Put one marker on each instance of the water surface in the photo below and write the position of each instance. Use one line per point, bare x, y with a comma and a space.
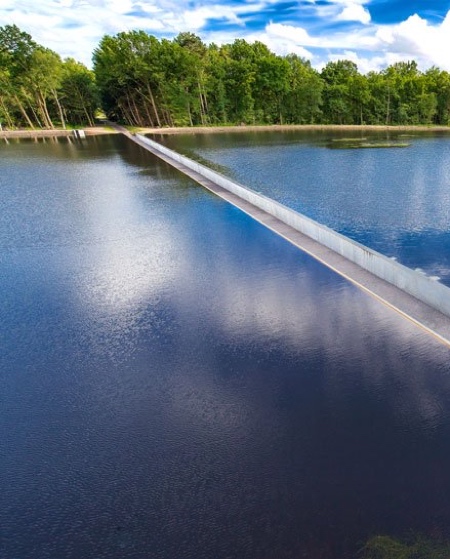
396, 201
177, 381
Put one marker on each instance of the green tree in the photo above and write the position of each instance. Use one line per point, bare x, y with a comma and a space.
381, 98
34, 83
193, 77
339, 100
16, 49
270, 85
78, 93
215, 73
403, 79
438, 82
302, 104
43, 80
239, 78
126, 77
144, 81
359, 96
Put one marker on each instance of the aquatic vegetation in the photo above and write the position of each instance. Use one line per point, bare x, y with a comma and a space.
385, 547
349, 139
352, 144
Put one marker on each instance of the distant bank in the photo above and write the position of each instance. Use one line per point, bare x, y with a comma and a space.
92, 131
287, 127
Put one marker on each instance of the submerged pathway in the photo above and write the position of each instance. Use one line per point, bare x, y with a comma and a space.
430, 319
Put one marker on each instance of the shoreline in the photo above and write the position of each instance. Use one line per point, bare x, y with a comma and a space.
292, 127
100, 130
55, 132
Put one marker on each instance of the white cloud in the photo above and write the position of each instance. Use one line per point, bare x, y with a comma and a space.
273, 36
416, 38
74, 28
296, 35
343, 10
194, 20
282, 46
355, 12
372, 47
349, 2
361, 39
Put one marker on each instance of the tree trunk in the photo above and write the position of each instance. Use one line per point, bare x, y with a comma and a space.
166, 109
167, 117
155, 109
9, 122
88, 116
133, 121
123, 111
137, 112
47, 115
58, 104
147, 112
189, 113
42, 105
24, 112
202, 102
36, 116
388, 106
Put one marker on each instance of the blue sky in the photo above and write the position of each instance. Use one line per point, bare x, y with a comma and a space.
372, 33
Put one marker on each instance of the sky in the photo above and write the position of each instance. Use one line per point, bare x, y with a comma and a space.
371, 33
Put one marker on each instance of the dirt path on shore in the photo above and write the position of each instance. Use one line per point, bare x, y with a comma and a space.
97, 130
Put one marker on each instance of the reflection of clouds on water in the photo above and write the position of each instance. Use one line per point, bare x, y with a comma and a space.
312, 312
130, 271
134, 257
156, 271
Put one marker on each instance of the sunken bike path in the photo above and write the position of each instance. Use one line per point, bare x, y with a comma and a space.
419, 313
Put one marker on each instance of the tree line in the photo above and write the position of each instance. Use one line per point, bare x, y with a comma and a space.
140, 80
38, 89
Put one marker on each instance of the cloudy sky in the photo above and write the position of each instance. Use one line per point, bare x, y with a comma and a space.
372, 33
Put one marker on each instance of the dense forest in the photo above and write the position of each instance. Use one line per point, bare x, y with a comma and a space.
140, 80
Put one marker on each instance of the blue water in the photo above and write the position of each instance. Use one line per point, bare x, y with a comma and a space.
178, 382
396, 201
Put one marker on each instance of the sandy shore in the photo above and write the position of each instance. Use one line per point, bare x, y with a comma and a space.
57, 132
97, 130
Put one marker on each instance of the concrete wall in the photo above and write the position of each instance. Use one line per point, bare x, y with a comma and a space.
416, 284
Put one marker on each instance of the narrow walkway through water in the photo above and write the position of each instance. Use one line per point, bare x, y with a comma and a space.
421, 314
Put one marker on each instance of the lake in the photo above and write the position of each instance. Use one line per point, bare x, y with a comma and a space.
178, 382
396, 201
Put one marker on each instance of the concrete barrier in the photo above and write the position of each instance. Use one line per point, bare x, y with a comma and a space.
414, 283
79, 134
